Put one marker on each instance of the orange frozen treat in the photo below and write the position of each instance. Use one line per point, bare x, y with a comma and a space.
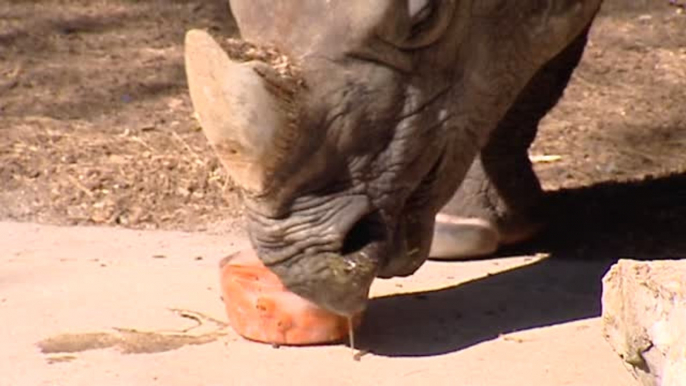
260, 308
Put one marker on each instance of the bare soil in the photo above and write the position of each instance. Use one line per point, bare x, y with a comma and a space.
96, 126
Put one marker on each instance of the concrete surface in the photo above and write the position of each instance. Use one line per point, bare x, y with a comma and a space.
644, 318
68, 291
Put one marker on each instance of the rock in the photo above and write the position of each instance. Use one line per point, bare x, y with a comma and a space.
644, 319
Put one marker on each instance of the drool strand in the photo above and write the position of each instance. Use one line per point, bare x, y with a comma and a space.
357, 355
351, 334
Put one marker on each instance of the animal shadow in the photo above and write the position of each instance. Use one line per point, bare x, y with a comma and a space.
589, 229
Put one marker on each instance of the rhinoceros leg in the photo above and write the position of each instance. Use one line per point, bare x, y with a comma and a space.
499, 200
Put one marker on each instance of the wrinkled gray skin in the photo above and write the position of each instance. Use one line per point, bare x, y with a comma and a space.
402, 104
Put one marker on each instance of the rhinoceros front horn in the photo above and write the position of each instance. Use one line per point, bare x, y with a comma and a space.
238, 114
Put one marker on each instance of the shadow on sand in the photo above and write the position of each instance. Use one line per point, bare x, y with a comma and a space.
590, 228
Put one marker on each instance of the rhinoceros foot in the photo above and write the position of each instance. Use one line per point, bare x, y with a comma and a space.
459, 238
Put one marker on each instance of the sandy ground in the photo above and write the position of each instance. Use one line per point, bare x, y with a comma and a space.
103, 306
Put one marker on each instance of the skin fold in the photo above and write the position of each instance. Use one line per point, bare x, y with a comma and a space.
401, 101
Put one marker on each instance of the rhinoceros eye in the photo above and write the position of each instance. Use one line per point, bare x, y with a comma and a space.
420, 10
418, 7
428, 20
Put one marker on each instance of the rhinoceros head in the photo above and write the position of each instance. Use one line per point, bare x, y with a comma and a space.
344, 163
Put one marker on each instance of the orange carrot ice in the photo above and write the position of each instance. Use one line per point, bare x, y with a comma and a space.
260, 308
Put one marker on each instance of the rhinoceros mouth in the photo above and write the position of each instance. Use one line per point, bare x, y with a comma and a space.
414, 228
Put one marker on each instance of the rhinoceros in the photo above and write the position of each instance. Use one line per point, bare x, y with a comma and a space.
405, 135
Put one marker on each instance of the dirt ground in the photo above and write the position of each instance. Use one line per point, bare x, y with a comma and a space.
96, 125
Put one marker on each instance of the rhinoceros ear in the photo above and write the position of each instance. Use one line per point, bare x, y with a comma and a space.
238, 115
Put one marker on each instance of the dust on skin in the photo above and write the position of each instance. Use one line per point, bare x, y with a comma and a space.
133, 341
